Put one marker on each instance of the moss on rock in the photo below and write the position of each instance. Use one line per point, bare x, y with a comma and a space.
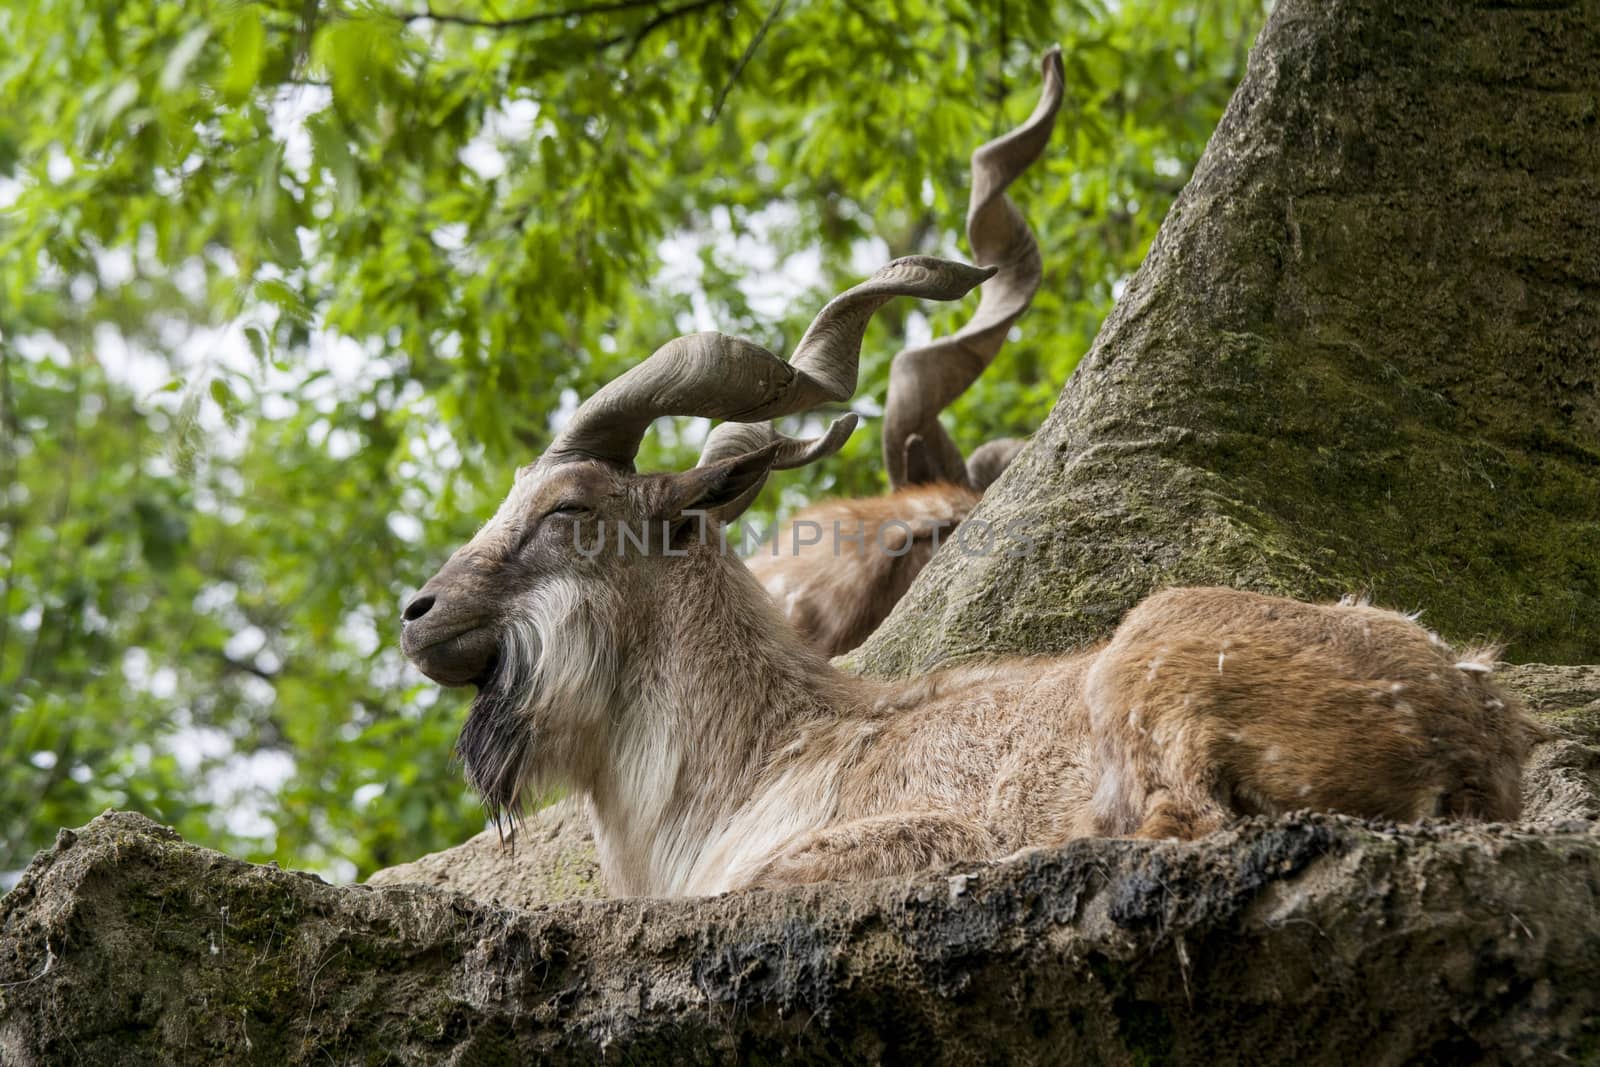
1295, 939
549, 857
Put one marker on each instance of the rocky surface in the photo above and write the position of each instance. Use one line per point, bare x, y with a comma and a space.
1298, 940
550, 857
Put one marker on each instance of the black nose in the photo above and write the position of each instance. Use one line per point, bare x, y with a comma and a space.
418, 607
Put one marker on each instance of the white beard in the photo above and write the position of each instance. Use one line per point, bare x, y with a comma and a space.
548, 699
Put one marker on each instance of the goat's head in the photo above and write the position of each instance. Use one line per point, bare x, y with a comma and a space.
535, 610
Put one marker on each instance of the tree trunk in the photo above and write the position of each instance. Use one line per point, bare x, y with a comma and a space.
1361, 355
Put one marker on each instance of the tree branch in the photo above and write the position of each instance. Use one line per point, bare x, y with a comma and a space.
634, 38
521, 21
242, 666
654, 24
750, 50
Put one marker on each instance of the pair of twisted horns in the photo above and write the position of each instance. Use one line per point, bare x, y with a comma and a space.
722, 377
923, 381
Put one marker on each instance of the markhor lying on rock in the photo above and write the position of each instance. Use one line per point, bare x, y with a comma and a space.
621, 651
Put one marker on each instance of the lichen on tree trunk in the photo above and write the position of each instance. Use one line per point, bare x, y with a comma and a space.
1362, 354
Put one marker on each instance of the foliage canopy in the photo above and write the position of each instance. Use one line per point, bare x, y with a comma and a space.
287, 289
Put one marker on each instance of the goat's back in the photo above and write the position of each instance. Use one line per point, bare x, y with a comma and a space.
837, 590
1209, 702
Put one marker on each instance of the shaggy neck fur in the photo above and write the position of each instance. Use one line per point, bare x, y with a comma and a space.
707, 695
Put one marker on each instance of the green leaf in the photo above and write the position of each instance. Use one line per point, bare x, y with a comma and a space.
223, 395
247, 52
360, 56
256, 337
284, 298
121, 95
175, 74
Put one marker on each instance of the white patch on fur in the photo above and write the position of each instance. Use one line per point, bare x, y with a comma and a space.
555, 650
1472, 666
799, 800
1094, 687
1110, 806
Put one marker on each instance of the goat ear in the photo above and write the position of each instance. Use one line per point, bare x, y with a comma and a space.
717, 488
919, 461
990, 460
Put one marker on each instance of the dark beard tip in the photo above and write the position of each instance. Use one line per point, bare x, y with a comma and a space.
506, 824
492, 747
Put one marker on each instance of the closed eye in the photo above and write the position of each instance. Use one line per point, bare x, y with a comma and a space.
571, 507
